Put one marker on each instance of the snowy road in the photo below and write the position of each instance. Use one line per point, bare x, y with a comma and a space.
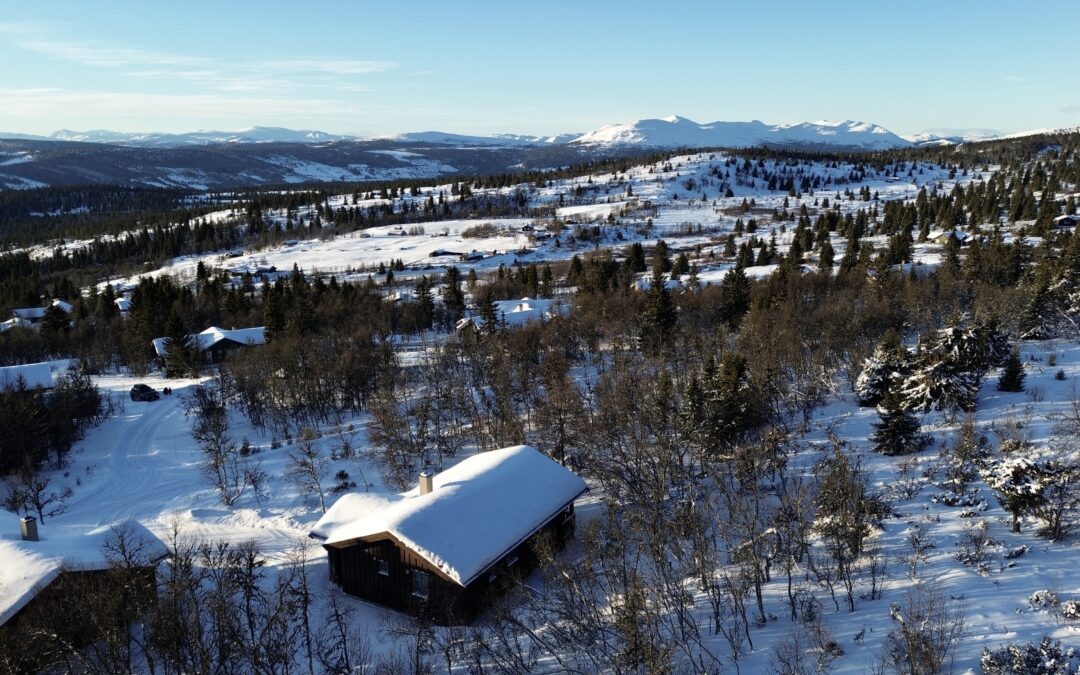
144, 464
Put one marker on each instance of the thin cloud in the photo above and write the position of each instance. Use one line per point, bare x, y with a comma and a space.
244, 76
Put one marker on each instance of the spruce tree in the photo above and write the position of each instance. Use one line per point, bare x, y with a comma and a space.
897, 431
489, 313
453, 296
660, 313
179, 348
1012, 375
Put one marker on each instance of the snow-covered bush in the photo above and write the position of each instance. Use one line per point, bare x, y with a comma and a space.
1046, 658
1043, 601
1070, 609
1046, 488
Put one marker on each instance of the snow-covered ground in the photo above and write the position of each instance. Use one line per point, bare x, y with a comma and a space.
681, 200
142, 464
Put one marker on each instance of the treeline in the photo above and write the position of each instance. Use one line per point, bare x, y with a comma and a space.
48, 213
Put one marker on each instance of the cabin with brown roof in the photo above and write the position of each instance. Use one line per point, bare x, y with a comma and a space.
445, 548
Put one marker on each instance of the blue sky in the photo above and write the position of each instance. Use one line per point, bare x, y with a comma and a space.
541, 67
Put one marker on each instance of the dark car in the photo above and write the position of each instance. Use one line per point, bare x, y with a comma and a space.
143, 392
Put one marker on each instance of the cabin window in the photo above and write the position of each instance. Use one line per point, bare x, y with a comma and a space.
420, 583
384, 566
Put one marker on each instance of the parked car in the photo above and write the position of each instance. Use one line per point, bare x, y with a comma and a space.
144, 392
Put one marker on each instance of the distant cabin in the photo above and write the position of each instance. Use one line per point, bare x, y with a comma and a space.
33, 375
215, 343
448, 546
1068, 221
32, 316
516, 313
942, 238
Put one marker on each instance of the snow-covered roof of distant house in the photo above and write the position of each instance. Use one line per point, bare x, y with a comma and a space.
521, 312
30, 566
28, 313
1068, 218
34, 374
66, 306
645, 283
123, 304
214, 335
14, 323
959, 234
477, 511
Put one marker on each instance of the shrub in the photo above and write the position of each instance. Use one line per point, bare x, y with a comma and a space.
1046, 658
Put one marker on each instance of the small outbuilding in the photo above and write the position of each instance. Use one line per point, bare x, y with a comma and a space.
443, 549
1067, 221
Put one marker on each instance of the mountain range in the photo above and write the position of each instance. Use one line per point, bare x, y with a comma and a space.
275, 156
673, 131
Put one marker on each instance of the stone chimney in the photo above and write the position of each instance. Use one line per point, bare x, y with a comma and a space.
28, 528
427, 481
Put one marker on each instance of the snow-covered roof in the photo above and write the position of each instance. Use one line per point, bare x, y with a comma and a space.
66, 306
520, 312
214, 335
645, 283
34, 374
14, 323
477, 511
30, 566
123, 304
28, 313
960, 235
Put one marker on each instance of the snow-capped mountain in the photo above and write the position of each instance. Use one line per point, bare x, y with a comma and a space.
166, 140
445, 138
678, 131
673, 132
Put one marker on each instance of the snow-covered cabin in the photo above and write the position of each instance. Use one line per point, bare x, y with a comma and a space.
445, 545
36, 557
214, 343
516, 313
16, 322
941, 237
124, 305
34, 315
33, 375
1067, 221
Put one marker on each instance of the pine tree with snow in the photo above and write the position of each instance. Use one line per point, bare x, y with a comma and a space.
889, 364
1017, 481
897, 431
938, 384
1012, 374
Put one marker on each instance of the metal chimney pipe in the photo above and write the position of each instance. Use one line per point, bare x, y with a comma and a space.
427, 481
28, 528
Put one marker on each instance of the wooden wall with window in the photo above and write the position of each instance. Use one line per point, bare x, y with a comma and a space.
391, 574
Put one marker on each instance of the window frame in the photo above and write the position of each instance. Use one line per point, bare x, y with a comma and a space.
421, 589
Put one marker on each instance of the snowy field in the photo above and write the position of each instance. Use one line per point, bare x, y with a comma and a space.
681, 201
